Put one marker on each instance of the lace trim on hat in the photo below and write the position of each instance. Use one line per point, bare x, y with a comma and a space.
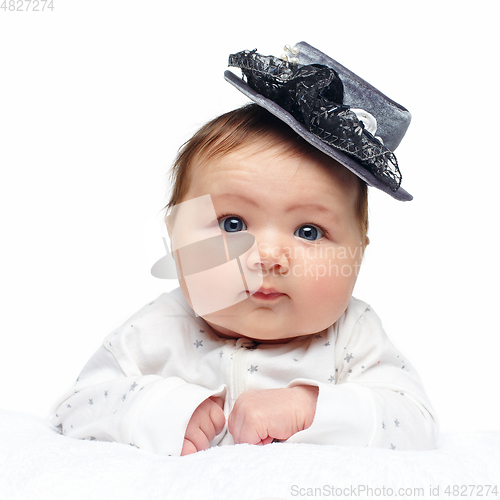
313, 95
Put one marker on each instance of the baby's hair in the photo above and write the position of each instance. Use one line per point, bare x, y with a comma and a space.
239, 128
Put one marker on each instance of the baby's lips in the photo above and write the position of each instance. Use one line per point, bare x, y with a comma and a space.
268, 290
263, 291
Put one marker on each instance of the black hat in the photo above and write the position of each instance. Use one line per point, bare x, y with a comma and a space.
330, 107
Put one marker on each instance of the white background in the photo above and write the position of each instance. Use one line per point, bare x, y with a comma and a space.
95, 99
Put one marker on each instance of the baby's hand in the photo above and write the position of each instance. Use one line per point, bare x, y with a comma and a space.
206, 422
260, 416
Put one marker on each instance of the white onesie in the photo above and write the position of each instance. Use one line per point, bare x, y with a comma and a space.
144, 383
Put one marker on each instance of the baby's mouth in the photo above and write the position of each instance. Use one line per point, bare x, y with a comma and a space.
267, 294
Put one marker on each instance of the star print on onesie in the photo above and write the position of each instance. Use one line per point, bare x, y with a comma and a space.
369, 394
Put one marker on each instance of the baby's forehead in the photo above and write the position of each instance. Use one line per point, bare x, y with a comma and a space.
275, 177
276, 162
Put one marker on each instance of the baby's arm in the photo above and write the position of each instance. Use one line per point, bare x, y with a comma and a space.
114, 401
375, 398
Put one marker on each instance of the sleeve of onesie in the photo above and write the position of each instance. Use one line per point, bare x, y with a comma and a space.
376, 399
117, 399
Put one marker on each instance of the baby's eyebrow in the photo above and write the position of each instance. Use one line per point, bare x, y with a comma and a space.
234, 195
312, 205
329, 213
295, 206
318, 207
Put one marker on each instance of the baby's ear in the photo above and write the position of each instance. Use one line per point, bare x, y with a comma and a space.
367, 241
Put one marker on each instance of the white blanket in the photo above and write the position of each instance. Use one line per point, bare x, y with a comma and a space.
37, 462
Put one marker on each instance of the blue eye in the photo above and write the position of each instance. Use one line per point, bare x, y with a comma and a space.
232, 224
309, 232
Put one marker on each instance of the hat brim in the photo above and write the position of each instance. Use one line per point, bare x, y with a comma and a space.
301, 130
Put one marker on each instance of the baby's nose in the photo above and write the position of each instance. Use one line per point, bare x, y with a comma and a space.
269, 256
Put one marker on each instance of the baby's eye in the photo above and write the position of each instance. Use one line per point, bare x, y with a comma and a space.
232, 224
309, 232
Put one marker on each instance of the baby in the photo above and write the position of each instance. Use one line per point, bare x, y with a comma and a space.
263, 341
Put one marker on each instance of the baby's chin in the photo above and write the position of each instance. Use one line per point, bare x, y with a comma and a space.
262, 335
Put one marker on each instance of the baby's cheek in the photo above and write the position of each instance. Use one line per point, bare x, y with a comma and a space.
329, 286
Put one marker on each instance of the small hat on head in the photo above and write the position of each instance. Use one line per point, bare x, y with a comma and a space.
331, 108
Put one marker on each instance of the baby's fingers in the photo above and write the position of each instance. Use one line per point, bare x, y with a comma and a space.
217, 416
268, 440
197, 438
218, 400
246, 430
206, 422
188, 447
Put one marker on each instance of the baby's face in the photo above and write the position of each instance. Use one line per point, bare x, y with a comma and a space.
301, 211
